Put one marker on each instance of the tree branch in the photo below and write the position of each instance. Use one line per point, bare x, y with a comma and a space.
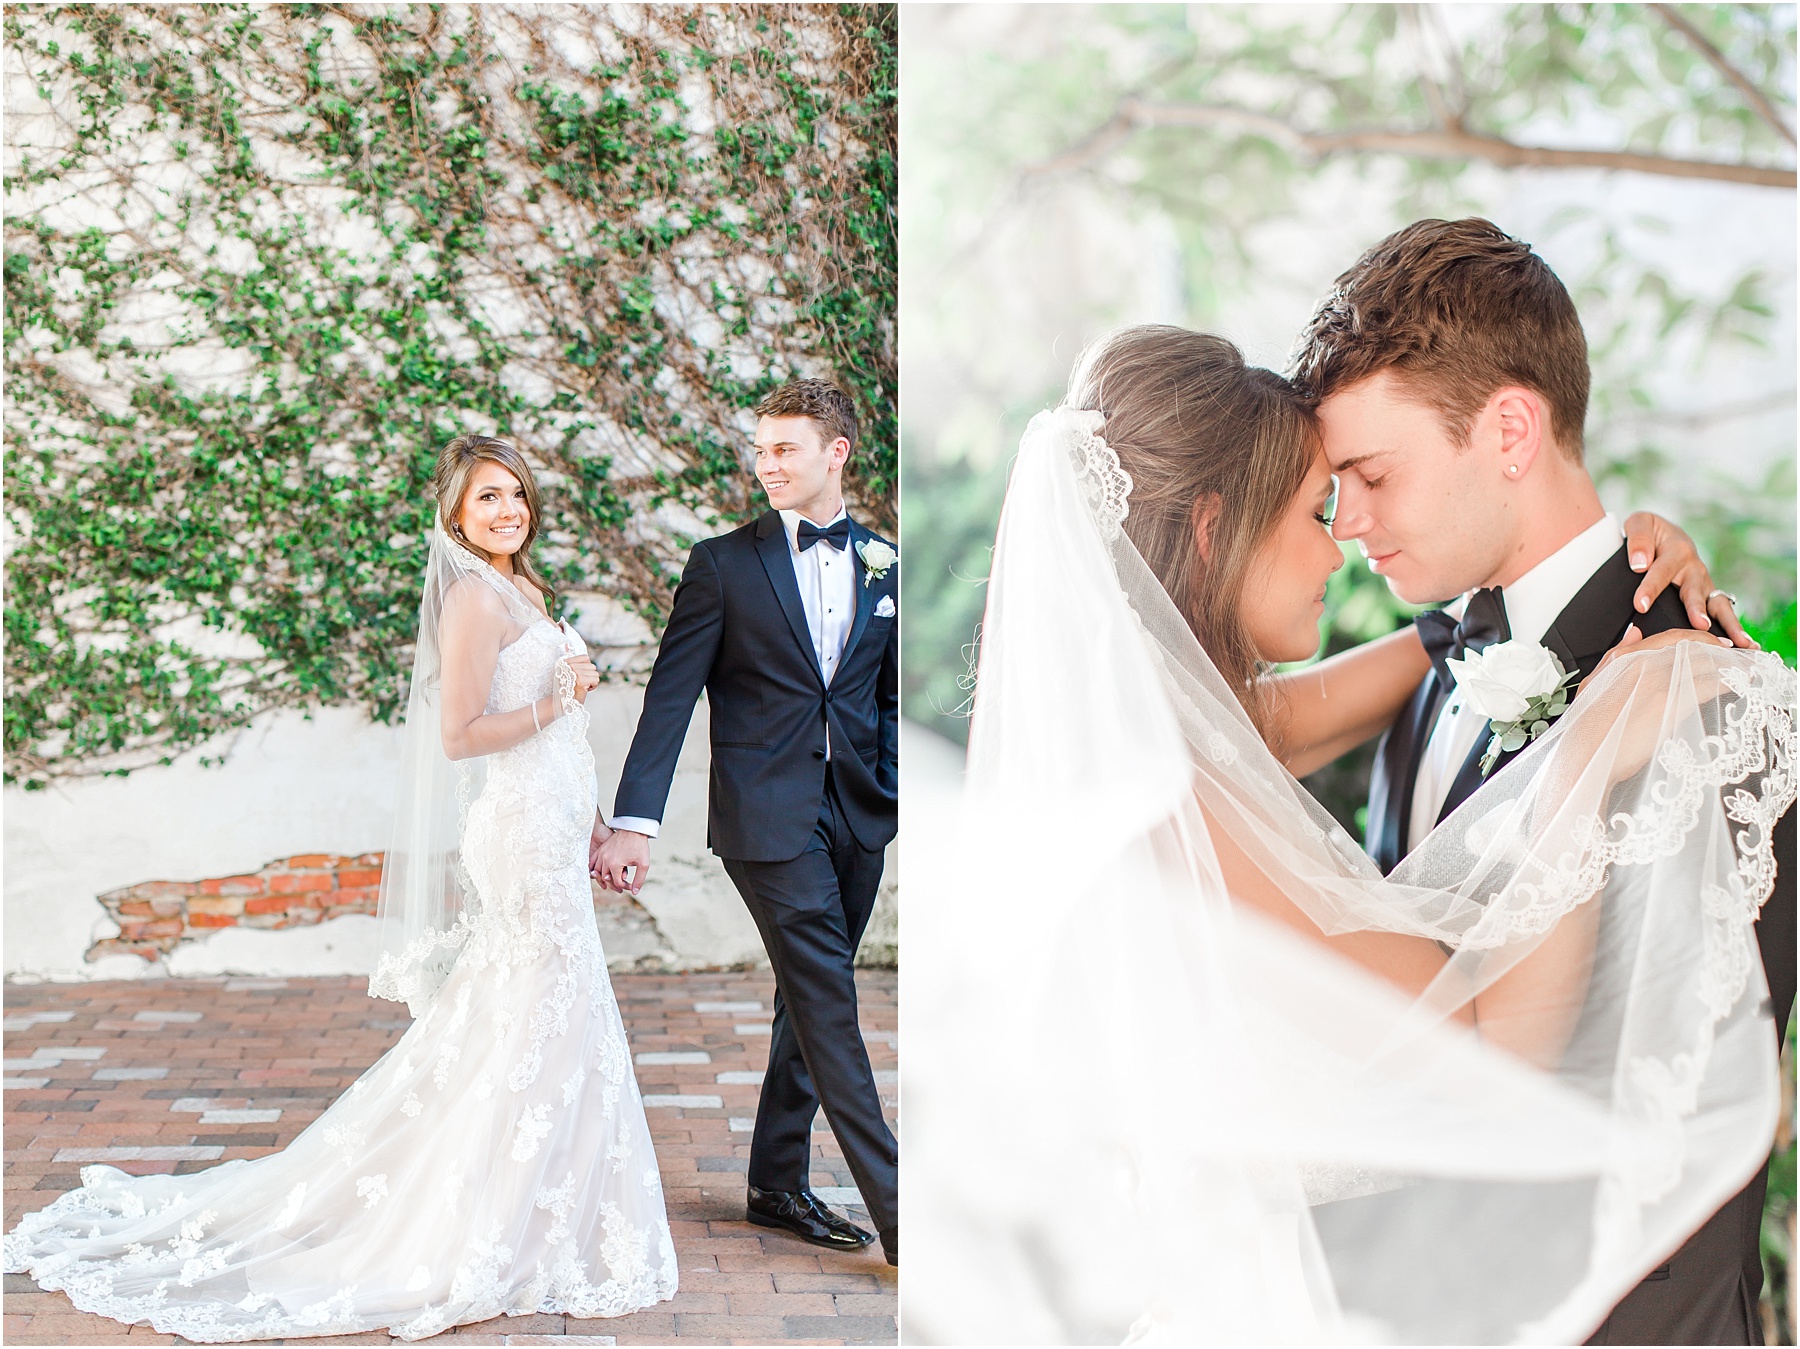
1701, 418
1671, 16
1135, 114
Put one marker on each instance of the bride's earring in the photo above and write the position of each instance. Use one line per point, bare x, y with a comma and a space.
1512, 468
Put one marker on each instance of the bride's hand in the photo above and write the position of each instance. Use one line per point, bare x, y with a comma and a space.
1634, 640
587, 675
602, 832
1666, 555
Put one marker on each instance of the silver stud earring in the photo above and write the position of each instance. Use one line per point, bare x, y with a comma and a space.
1512, 468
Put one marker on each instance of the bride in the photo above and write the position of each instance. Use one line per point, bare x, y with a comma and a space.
1273, 1095
496, 1160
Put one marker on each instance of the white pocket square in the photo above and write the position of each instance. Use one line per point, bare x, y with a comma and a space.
886, 608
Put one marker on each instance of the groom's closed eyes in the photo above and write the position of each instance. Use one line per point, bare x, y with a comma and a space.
1373, 468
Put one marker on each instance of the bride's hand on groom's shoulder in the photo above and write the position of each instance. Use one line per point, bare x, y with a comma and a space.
1666, 555
1634, 640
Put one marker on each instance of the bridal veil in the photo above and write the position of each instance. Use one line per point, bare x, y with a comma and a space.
423, 910
1140, 1108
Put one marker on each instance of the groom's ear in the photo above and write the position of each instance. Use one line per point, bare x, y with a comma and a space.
1203, 516
1516, 423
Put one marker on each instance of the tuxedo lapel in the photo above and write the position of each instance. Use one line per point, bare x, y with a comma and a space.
865, 593
1587, 628
1596, 618
772, 548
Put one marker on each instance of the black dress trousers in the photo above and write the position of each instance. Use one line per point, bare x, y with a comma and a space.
811, 911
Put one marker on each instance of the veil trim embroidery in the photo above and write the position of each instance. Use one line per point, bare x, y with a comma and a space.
1105, 484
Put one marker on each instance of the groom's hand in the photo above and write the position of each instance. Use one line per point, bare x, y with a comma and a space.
627, 851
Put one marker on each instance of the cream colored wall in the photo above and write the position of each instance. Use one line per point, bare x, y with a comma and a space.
291, 784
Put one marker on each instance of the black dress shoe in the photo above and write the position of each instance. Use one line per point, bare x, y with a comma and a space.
890, 1246
805, 1215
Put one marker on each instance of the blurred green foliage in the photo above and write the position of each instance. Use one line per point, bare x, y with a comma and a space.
950, 514
1776, 632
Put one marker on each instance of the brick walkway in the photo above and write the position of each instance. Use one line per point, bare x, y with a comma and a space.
176, 1075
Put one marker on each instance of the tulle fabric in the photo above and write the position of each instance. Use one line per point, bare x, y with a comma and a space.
422, 912
495, 1161
1225, 1123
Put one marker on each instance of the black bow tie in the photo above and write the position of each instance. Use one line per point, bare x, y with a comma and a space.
837, 535
1483, 623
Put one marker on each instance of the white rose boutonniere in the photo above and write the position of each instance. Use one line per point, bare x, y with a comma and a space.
877, 557
1519, 687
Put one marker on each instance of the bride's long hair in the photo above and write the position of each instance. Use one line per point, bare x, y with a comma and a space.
1215, 448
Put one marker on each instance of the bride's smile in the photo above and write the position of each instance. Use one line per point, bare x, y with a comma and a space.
496, 514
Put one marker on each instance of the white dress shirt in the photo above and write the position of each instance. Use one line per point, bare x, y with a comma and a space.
827, 581
1532, 605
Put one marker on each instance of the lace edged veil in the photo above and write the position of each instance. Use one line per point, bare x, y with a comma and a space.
424, 910
1247, 1126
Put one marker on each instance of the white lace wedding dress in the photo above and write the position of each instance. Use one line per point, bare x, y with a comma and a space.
496, 1160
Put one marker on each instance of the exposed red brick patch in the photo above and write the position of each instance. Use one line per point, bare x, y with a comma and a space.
155, 917
290, 882
216, 905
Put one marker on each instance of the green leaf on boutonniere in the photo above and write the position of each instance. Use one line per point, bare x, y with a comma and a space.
1508, 737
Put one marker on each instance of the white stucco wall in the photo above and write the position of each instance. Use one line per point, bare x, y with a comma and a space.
291, 784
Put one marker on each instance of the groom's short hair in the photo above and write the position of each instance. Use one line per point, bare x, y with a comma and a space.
818, 400
1455, 309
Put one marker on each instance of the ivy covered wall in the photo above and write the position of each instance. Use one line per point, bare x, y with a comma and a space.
261, 261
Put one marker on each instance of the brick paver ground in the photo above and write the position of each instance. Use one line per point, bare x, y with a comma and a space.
178, 1074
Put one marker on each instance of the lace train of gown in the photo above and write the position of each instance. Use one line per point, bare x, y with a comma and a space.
495, 1160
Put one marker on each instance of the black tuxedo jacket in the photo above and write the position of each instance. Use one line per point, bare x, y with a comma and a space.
738, 630
1582, 634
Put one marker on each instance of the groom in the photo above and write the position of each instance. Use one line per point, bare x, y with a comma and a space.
1451, 378
788, 625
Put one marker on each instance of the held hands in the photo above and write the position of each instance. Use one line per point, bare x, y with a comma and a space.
602, 832
623, 851
1667, 555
